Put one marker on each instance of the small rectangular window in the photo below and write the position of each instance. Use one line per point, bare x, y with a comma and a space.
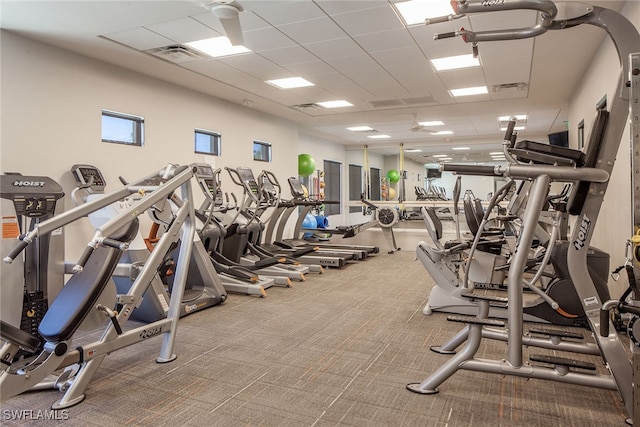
121, 128
207, 142
581, 134
261, 151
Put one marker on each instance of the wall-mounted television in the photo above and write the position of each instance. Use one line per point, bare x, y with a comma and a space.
433, 173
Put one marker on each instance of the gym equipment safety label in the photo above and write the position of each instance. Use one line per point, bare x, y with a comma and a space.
10, 229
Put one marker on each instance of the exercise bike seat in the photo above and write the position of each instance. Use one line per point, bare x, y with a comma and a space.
80, 294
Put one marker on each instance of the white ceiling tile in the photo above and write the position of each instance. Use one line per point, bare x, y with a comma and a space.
289, 12
255, 65
312, 69
183, 30
312, 30
349, 64
334, 7
266, 39
288, 55
385, 40
140, 38
336, 48
369, 21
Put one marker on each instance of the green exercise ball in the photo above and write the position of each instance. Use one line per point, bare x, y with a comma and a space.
306, 165
393, 175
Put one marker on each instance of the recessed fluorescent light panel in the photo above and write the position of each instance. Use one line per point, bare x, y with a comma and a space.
415, 12
455, 62
460, 148
496, 153
439, 155
290, 83
378, 136
514, 128
335, 104
412, 150
431, 123
217, 46
442, 132
360, 129
478, 90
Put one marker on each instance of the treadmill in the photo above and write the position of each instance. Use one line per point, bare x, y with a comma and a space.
299, 199
252, 193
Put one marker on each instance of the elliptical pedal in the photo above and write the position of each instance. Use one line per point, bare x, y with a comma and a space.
561, 361
494, 301
473, 320
556, 333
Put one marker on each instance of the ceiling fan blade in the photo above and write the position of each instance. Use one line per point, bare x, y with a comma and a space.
233, 30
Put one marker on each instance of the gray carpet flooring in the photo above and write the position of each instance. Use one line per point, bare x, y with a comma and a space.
337, 349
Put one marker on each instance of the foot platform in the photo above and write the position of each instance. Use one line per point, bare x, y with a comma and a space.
472, 320
492, 299
561, 361
556, 333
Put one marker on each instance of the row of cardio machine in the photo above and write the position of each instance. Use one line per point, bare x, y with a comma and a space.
190, 259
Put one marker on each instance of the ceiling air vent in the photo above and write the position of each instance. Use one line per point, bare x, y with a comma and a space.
509, 87
387, 103
177, 53
306, 107
419, 100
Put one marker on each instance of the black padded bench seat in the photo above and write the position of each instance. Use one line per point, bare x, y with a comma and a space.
80, 294
540, 153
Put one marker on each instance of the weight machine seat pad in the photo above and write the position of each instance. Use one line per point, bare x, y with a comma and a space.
436, 221
552, 151
470, 216
80, 294
580, 190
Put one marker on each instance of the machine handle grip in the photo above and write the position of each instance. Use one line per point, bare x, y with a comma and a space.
440, 36
16, 251
83, 259
470, 169
508, 135
112, 243
235, 176
439, 19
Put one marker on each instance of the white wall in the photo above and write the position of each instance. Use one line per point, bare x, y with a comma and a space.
614, 224
51, 119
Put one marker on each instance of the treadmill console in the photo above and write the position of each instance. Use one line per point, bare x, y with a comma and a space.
297, 191
249, 181
206, 178
89, 176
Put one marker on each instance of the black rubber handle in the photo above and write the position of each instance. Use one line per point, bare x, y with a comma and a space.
16, 251
509, 133
112, 243
440, 36
469, 169
83, 258
116, 324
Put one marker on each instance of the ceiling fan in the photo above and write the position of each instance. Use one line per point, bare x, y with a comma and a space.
228, 12
417, 127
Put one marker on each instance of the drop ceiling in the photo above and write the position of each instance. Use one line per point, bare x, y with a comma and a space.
356, 50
